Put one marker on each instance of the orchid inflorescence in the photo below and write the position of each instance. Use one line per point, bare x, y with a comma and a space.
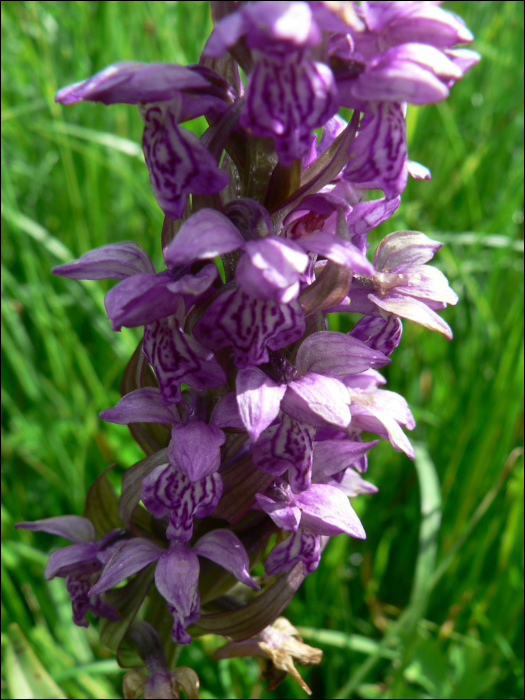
250, 411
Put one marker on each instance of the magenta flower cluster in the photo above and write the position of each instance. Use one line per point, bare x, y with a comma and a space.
265, 233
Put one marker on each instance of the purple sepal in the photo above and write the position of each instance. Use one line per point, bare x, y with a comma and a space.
337, 250
367, 416
126, 561
301, 546
337, 355
401, 250
318, 401
206, 234
258, 400
274, 28
177, 357
224, 548
176, 579
286, 446
365, 216
250, 325
414, 310
72, 527
327, 511
140, 300
415, 73
271, 269
139, 406
332, 456
331, 130
377, 157
364, 381
131, 82
284, 515
115, 261
78, 559
226, 413
352, 484
379, 333
195, 449
194, 285
178, 163
393, 23
166, 491
465, 59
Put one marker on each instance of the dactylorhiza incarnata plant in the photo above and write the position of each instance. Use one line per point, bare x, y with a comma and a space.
250, 411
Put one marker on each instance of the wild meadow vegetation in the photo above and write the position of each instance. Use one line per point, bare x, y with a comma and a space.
430, 604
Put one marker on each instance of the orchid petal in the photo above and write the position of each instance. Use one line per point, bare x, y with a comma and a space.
224, 548
258, 399
74, 559
207, 234
139, 406
379, 333
177, 357
300, 546
183, 455
327, 511
373, 420
126, 561
226, 413
177, 577
337, 250
115, 261
139, 300
332, 456
178, 162
271, 268
72, 527
378, 154
285, 516
337, 355
287, 445
318, 401
130, 82
413, 310
250, 325
401, 250
354, 485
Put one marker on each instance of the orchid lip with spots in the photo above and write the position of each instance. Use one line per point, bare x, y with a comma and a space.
255, 417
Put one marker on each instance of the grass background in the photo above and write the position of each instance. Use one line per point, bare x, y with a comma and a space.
430, 605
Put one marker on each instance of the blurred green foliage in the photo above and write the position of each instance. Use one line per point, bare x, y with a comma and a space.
389, 622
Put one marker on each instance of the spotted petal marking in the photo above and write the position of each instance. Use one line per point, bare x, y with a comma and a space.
177, 161
378, 155
286, 99
250, 325
177, 357
169, 492
300, 546
288, 445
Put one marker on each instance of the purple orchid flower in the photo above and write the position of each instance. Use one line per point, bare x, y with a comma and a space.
178, 162
313, 391
142, 296
320, 511
266, 406
177, 573
81, 564
269, 269
288, 94
403, 285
